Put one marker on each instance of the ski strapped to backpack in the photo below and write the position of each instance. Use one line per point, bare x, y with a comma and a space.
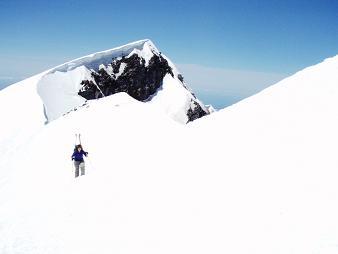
77, 139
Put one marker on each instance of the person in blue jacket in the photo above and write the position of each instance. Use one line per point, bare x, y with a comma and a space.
77, 157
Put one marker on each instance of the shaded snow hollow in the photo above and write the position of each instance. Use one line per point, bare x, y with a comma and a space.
257, 177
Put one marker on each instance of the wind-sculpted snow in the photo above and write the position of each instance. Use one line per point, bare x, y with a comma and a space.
93, 61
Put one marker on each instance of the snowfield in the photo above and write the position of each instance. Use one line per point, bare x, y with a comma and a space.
257, 177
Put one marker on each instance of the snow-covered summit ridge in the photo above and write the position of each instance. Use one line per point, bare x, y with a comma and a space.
137, 68
92, 61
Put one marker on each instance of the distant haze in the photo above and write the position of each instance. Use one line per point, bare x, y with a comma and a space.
223, 87
6, 81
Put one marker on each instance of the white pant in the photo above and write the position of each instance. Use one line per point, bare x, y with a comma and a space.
81, 165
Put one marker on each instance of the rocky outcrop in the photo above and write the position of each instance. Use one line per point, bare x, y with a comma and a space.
195, 111
140, 75
127, 74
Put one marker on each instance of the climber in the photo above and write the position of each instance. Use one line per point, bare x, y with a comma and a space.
78, 160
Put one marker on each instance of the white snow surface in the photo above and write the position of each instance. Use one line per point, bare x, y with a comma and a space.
257, 177
59, 91
172, 90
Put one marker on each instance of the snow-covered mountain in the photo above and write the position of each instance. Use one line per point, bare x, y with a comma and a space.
257, 177
138, 69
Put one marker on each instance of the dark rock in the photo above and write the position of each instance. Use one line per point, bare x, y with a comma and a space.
180, 77
137, 79
89, 90
196, 112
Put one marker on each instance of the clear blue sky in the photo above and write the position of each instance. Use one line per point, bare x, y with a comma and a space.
266, 36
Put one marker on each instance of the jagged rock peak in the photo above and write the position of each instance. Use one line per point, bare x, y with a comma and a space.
139, 74
132, 74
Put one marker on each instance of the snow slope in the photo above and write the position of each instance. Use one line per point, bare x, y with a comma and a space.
279, 155
44, 210
257, 177
22, 114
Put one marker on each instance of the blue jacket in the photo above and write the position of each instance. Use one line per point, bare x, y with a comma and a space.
78, 156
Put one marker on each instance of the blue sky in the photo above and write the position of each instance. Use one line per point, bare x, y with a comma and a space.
272, 38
